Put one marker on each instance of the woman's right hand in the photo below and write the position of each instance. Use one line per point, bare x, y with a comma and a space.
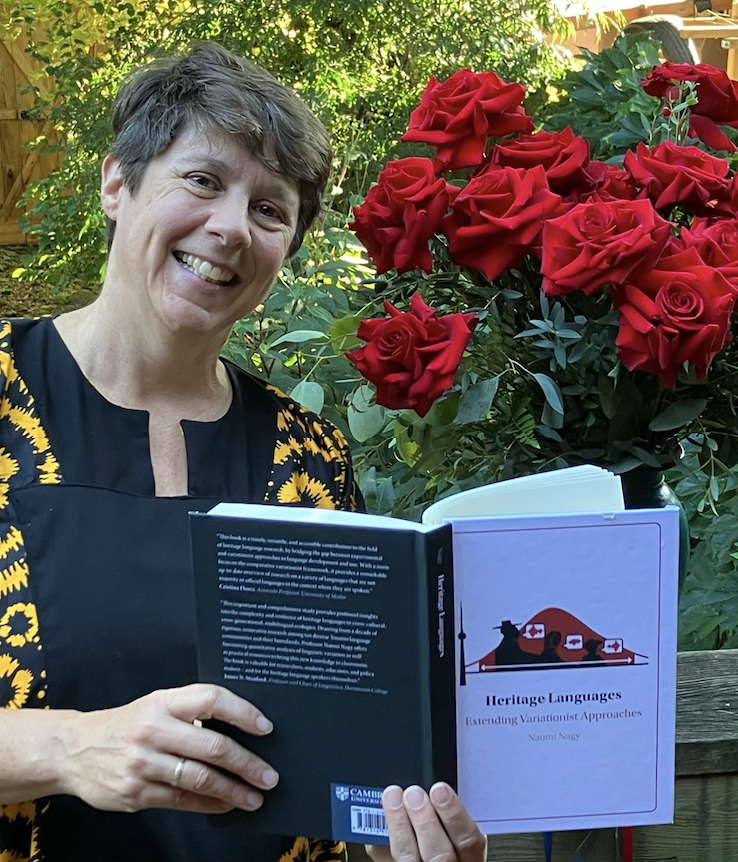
153, 753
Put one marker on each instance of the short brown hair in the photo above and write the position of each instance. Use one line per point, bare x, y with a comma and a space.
210, 88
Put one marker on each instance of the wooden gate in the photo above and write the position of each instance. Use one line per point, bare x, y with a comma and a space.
19, 166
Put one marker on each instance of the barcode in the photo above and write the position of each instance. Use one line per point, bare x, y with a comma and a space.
368, 821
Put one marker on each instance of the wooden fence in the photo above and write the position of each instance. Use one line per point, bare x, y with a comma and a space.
19, 166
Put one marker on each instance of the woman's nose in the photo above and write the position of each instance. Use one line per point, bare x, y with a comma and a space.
229, 220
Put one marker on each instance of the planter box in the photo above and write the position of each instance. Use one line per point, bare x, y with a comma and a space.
705, 827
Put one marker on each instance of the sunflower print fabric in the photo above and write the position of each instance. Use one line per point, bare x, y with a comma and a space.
311, 467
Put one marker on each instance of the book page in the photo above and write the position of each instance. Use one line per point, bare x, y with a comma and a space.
566, 668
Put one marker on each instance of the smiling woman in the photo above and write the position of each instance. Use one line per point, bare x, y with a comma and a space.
118, 419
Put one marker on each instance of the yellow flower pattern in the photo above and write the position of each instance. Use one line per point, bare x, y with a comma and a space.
25, 457
305, 445
305, 448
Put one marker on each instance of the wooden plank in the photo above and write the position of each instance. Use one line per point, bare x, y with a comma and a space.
707, 696
23, 63
732, 64
10, 234
9, 114
20, 181
11, 153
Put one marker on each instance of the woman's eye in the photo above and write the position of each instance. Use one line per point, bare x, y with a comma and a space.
203, 181
269, 212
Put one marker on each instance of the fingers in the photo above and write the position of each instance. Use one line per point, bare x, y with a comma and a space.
206, 747
430, 829
154, 752
469, 843
202, 701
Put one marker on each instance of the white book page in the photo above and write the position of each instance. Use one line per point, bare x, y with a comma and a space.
572, 490
300, 515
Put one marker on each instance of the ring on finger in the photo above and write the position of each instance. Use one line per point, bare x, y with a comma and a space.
178, 770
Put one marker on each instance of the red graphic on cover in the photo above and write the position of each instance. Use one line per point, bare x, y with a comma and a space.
553, 639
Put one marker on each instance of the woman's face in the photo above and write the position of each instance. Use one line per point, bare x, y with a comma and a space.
200, 243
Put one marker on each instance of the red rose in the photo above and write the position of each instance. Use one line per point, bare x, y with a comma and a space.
563, 155
595, 244
412, 357
459, 114
717, 244
677, 312
401, 213
497, 218
717, 98
687, 176
724, 232
614, 184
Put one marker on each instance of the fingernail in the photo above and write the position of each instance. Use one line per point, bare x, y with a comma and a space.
415, 797
253, 801
264, 725
392, 797
440, 794
269, 778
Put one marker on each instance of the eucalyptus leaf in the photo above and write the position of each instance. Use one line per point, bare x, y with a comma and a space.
678, 415
364, 424
299, 336
310, 395
477, 400
551, 392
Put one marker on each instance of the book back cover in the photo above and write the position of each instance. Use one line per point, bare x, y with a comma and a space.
343, 636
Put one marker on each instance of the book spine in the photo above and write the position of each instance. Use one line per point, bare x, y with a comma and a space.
438, 558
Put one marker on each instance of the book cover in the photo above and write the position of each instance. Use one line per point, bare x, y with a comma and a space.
566, 655
339, 626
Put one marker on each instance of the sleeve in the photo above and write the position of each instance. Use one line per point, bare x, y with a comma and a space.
311, 464
24, 453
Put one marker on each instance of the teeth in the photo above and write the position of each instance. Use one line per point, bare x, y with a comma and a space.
206, 270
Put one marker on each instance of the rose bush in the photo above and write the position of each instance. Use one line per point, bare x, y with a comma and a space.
604, 291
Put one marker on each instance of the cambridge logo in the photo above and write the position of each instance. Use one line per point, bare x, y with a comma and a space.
342, 793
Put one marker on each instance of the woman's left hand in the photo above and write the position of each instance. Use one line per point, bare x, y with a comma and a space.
428, 828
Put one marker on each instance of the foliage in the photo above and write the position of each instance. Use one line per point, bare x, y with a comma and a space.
360, 65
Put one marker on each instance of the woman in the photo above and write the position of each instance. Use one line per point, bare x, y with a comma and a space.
117, 419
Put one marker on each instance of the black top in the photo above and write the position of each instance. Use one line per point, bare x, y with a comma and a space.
95, 569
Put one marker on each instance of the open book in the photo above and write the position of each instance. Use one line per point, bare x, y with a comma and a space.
536, 672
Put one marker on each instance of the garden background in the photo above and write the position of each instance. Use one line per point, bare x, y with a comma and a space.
362, 66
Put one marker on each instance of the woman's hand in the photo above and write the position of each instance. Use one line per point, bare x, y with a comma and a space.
428, 828
153, 753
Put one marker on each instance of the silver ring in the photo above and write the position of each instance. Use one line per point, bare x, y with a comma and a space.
178, 770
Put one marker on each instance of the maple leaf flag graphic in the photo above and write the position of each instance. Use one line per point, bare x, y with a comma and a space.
613, 645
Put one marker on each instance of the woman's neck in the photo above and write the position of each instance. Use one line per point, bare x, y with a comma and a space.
140, 367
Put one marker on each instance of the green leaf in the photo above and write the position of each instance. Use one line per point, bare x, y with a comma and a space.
299, 336
551, 392
477, 400
407, 449
364, 418
343, 333
678, 415
310, 395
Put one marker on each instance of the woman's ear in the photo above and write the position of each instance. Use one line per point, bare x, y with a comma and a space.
111, 186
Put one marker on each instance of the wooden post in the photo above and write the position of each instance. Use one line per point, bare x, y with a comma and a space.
732, 64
